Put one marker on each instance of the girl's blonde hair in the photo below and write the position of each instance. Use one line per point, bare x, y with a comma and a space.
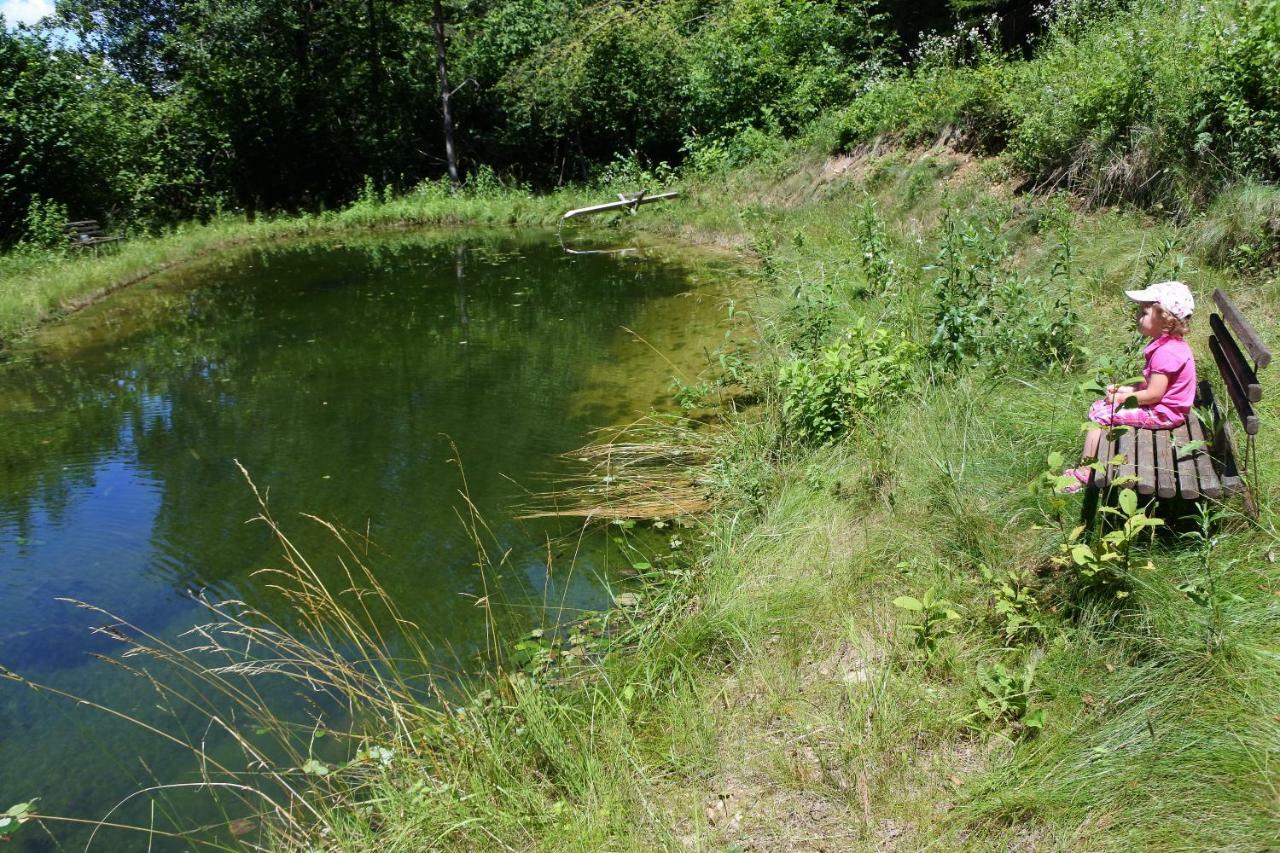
1172, 325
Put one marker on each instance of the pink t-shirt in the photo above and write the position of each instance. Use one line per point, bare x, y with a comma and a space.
1172, 357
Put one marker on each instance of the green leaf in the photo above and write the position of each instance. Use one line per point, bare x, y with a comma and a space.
20, 811
1185, 450
1055, 461
906, 602
1034, 720
315, 768
1128, 501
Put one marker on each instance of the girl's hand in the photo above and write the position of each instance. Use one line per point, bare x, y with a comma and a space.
1119, 393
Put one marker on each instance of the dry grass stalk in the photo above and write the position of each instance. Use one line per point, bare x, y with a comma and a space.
651, 470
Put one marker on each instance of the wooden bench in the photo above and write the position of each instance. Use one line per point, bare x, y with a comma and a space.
86, 233
1150, 460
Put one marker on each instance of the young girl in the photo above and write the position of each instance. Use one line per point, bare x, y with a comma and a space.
1168, 387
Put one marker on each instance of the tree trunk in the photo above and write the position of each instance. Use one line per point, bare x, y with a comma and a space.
445, 94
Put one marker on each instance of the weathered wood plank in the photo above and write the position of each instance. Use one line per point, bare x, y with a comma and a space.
1146, 463
626, 202
1166, 484
1209, 485
1188, 481
1127, 448
1239, 399
1106, 450
1228, 469
1243, 328
1245, 374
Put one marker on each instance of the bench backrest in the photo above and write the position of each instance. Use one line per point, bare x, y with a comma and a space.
84, 228
1238, 376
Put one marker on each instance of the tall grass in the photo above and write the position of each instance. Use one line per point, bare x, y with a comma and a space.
764, 690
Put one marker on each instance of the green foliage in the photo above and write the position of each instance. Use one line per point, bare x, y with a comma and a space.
987, 310
1005, 695
1107, 564
45, 226
856, 377
628, 172
15, 818
734, 145
777, 62
877, 256
937, 619
1014, 604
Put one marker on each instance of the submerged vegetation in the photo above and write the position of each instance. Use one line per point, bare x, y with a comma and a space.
872, 622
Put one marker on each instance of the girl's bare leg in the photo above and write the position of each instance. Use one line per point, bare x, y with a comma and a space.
1092, 439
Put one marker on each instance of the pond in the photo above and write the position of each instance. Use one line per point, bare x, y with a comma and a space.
356, 379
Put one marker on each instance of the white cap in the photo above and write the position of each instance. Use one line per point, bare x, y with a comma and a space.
1173, 296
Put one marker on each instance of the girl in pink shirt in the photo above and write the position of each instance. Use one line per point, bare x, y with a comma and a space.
1168, 387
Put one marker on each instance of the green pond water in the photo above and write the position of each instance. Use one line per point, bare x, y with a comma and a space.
355, 379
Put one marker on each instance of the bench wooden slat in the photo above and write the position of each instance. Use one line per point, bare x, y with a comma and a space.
1228, 470
1188, 481
1245, 374
1146, 462
1166, 486
1106, 450
1128, 450
1236, 391
1208, 477
1243, 328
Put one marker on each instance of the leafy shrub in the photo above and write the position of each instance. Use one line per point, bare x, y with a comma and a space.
630, 172
937, 619
46, 219
988, 311
1006, 695
736, 144
792, 58
855, 377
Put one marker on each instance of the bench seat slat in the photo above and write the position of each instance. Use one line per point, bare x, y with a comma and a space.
1126, 448
1228, 470
1146, 462
1210, 487
1166, 487
1106, 450
1188, 481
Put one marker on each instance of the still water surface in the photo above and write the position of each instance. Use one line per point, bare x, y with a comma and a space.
350, 378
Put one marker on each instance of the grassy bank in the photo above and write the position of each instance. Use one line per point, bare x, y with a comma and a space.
39, 285
767, 691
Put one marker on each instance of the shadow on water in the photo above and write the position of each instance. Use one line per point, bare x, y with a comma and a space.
342, 375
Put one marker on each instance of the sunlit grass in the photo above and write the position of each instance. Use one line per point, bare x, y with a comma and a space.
766, 692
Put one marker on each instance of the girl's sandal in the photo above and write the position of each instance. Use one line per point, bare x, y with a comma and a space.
1081, 477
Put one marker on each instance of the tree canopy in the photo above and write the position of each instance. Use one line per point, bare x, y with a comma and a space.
153, 111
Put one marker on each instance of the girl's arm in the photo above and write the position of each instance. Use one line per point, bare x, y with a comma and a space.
1150, 394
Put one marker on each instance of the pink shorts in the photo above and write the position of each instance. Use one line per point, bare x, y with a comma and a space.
1104, 413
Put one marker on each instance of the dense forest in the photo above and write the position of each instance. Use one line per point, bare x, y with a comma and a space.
146, 112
